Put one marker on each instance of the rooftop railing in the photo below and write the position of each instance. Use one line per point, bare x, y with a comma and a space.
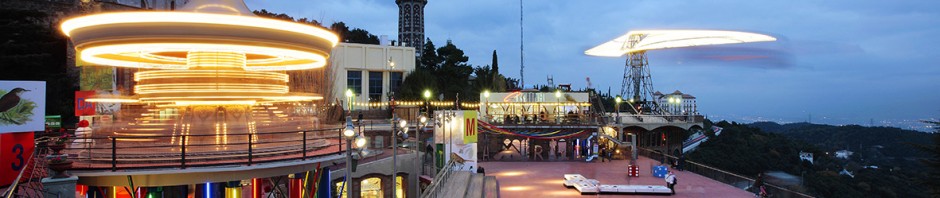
119, 152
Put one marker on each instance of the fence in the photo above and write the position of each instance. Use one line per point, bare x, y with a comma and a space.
722, 176
182, 151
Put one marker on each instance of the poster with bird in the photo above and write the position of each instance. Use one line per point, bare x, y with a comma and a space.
22, 106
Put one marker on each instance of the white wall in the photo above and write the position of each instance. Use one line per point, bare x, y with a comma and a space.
364, 57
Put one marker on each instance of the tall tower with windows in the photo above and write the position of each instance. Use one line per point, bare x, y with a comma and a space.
411, 23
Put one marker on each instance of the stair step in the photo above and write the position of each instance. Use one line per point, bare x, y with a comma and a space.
456, 184
491, 187
475, 187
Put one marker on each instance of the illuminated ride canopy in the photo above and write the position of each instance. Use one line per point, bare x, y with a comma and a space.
211, 52
642, 40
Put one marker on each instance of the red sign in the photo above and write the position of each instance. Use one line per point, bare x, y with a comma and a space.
82, 107
15, 151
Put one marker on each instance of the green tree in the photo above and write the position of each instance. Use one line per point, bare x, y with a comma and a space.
932, 180
454, 73
429, 58
355, 35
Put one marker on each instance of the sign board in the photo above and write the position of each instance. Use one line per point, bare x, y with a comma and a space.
22, 106
15, 151
82, 107
454, 135
470, 127
54, 121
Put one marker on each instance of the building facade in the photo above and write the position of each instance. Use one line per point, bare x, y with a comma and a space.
677, 103
411, 23
371, 72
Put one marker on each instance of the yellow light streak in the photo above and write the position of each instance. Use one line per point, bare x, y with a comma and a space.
105, 55
111, 100
197, 18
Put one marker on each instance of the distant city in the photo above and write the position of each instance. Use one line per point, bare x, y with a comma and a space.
909, 124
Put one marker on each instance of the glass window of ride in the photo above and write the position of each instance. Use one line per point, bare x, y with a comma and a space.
371, 188
375, 86
354, 81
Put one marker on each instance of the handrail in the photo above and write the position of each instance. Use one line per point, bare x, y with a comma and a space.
182, 151
435, 187
723, 176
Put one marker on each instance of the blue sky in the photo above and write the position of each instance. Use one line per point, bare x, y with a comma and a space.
844, 62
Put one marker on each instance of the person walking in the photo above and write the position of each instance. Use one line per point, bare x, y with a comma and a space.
671, 182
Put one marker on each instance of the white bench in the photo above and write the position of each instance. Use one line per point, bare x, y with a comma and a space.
592, 186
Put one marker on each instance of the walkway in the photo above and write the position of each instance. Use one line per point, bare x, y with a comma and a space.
544, 179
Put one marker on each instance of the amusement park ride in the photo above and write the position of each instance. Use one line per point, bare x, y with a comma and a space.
637, 83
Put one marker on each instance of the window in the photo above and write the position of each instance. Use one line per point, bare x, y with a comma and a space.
399, 187
395, 80
375, 86
341, 189
354, 81
371, 188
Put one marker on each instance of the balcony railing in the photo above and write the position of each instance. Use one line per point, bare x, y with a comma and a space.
183, 151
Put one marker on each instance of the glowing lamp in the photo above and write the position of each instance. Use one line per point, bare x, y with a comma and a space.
423, 119
427, 94
360, 142
403, 123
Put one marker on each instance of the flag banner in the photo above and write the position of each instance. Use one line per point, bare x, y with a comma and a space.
470, 127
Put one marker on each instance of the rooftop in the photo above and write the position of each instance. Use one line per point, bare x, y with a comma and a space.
545, 179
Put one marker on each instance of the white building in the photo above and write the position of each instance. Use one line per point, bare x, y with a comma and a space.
844, 154
677, 103
371, 72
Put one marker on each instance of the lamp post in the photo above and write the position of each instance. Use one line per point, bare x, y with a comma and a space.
486, 103
349, 96
617, 107
419, 167
427, 111
558, 100
401, 128
350, 134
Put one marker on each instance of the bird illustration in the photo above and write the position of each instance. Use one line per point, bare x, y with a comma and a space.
11, 99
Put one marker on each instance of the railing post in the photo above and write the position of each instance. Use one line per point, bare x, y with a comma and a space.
304, 150
113, 154
250, 144
183, 152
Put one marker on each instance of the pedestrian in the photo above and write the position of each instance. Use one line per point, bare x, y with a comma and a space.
681, 162
602, 154
671, 182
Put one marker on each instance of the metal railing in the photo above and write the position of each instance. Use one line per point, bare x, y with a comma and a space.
182, 151
722, 176
436, 185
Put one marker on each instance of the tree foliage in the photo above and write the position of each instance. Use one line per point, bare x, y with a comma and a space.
748, 150
346, 35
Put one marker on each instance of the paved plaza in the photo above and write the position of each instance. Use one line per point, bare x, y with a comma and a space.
544, 179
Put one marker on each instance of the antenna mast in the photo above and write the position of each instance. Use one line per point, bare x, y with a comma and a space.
521, 51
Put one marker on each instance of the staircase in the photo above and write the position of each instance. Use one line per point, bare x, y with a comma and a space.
454, 182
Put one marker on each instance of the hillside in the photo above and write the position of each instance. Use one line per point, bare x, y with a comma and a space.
748, 150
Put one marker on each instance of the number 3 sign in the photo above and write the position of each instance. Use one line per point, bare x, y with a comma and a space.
15, 150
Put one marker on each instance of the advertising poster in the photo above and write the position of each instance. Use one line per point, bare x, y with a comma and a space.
15, 151
22, 106
82, 107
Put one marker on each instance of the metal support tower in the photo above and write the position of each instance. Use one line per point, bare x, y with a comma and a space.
637, 83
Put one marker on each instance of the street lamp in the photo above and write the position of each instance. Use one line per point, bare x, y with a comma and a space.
486, 103
350, 134
419, 166
401, 129
349, 95
617, 107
